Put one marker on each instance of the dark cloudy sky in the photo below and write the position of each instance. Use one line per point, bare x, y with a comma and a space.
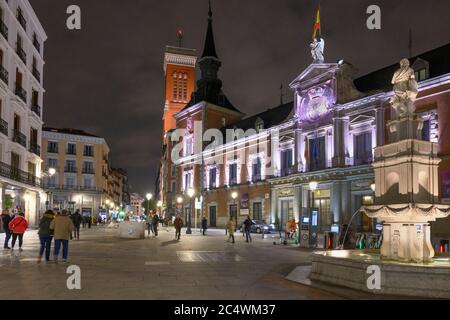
108, 77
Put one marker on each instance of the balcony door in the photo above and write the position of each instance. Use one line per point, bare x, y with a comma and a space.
33, 137
18, 78
16, 123
15, 165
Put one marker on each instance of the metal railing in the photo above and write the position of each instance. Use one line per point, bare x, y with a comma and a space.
19, 137
88, 154
4, 127
70, 169
21, 19
52, 150
21, 93
71, 151
34, 148
36, 73
16, 174
36, 109
36, 44
4, 75
21, 53
88, 170
3, 29
69, 187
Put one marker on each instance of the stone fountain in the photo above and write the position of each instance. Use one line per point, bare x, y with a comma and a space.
406, 201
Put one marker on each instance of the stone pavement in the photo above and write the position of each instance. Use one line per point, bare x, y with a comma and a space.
197, 267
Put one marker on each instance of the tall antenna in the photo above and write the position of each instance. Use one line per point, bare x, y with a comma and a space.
180, 37
410, 44
281, 94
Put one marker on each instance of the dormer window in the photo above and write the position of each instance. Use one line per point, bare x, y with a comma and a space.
259, 124
421, 69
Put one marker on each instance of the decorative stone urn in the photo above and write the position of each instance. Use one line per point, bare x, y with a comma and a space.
407, 192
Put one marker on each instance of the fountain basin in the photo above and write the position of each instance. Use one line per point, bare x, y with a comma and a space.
349, 268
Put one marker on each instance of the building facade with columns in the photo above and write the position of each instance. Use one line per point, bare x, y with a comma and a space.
22, 40
337, 123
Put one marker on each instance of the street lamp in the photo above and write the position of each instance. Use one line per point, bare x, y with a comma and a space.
373, 187
149, 196
51, 173
234, 196
313, 187
190, 193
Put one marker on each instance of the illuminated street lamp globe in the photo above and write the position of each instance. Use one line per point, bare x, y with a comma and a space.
107, 201
191, 192
373, 187
159, 204
51, 171
179, 200
149, 196
234, 195
313, 185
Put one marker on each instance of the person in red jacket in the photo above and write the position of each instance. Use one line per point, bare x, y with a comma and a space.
18, 225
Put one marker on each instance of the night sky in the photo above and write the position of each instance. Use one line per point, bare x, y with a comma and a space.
107, 78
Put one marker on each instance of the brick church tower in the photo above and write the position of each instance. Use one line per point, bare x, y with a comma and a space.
179, 69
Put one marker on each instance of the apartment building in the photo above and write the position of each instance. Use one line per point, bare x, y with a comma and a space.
22, 40
82, 178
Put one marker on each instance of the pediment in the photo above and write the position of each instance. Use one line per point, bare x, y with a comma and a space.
362, 118
314, 73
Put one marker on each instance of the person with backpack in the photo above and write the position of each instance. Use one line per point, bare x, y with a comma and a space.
18, 225
178, 224
248, 226
45, 235
76, 219
6, 219
62, 227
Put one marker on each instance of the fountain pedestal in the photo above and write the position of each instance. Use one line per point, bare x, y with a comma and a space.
406, 194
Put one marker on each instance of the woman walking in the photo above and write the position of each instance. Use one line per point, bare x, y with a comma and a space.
45, 235
230, 228
18, 226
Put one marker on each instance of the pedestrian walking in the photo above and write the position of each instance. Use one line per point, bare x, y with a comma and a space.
155, 222
178, 224
76, 219
89, 221
45, 235
248, 227
18, 225
204, 225
6, 219
231, 228
62, 228
150, 224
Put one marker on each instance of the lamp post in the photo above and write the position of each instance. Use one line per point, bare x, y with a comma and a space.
149, 197
190, 193
313, 187
51, 172
234, 196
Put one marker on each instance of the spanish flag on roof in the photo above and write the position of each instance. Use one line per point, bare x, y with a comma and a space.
317, 28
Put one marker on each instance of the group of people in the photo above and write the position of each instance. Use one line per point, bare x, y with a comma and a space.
245, 229
14, 227
153, 220
60, 227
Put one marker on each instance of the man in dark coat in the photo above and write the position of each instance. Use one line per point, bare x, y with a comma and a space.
6, 219
204, 225
76, 219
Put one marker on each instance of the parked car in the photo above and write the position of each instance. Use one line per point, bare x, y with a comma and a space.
258, 226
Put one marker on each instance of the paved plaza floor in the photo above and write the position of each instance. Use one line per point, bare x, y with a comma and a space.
197, 267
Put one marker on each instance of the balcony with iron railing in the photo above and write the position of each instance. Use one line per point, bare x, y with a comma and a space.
21, 53
3, 29
36, 44
4, 127
88, 154
35, 148
36, 73
52, 149
256, 178
71, 152
70, 169
18, 175
36, 109
21, 19
72, 187
4, 75
88, 170
19, 137
21, 93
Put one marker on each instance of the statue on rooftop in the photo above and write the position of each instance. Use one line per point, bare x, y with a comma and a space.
317, 48
405, 90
